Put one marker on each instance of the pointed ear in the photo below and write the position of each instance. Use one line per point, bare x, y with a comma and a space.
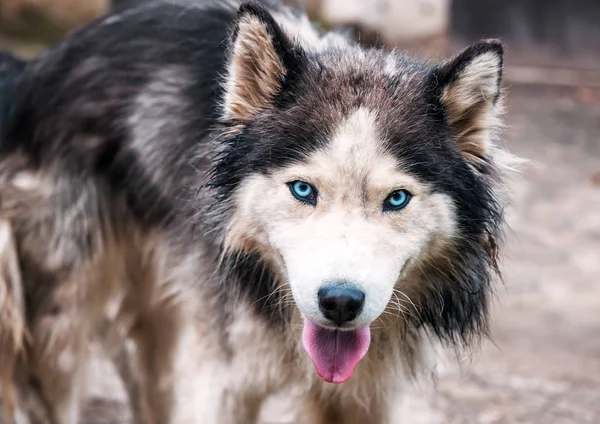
469, 91
261, 58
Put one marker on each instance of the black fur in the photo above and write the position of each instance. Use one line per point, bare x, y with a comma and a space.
10, 70
10, 65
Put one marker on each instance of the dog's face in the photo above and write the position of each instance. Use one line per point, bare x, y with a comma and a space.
346, 218
365, 179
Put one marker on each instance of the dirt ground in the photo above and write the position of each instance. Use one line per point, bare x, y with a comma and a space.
544, 363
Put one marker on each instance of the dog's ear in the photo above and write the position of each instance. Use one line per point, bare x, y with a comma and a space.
468, 88
262, 57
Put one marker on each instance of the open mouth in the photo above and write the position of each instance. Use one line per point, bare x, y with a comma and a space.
335, 353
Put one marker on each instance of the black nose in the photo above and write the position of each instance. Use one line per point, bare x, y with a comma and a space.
341, 304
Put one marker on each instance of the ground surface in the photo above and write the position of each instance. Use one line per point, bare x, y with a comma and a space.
545, 364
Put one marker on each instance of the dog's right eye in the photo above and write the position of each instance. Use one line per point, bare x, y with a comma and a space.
304, 192
397, 200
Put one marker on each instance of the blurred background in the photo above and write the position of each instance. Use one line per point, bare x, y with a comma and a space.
543, 364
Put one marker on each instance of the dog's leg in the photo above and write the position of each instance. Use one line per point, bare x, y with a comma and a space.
185, 378
153, 324
69, 273
115, 346
61, 328
139, 409
123, 364
61, 331
156, 314
59, 344
12, 322
156, 337
22, 401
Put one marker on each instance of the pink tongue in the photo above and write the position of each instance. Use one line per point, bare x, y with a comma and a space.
335, 353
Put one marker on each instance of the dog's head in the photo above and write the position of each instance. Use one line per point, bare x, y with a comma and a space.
362, 180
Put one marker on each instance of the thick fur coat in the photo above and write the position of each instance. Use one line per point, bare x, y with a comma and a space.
214, 169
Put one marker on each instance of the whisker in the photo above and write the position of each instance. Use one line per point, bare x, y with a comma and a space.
411, 302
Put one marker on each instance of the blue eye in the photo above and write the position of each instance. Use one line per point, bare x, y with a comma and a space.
303, 192
396, 201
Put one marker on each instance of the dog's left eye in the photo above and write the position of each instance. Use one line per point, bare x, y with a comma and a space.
397, 200
304, 192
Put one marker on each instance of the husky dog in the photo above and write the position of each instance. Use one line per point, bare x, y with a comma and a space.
275, 209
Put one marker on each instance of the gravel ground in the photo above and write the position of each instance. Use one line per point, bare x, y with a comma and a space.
544, 363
